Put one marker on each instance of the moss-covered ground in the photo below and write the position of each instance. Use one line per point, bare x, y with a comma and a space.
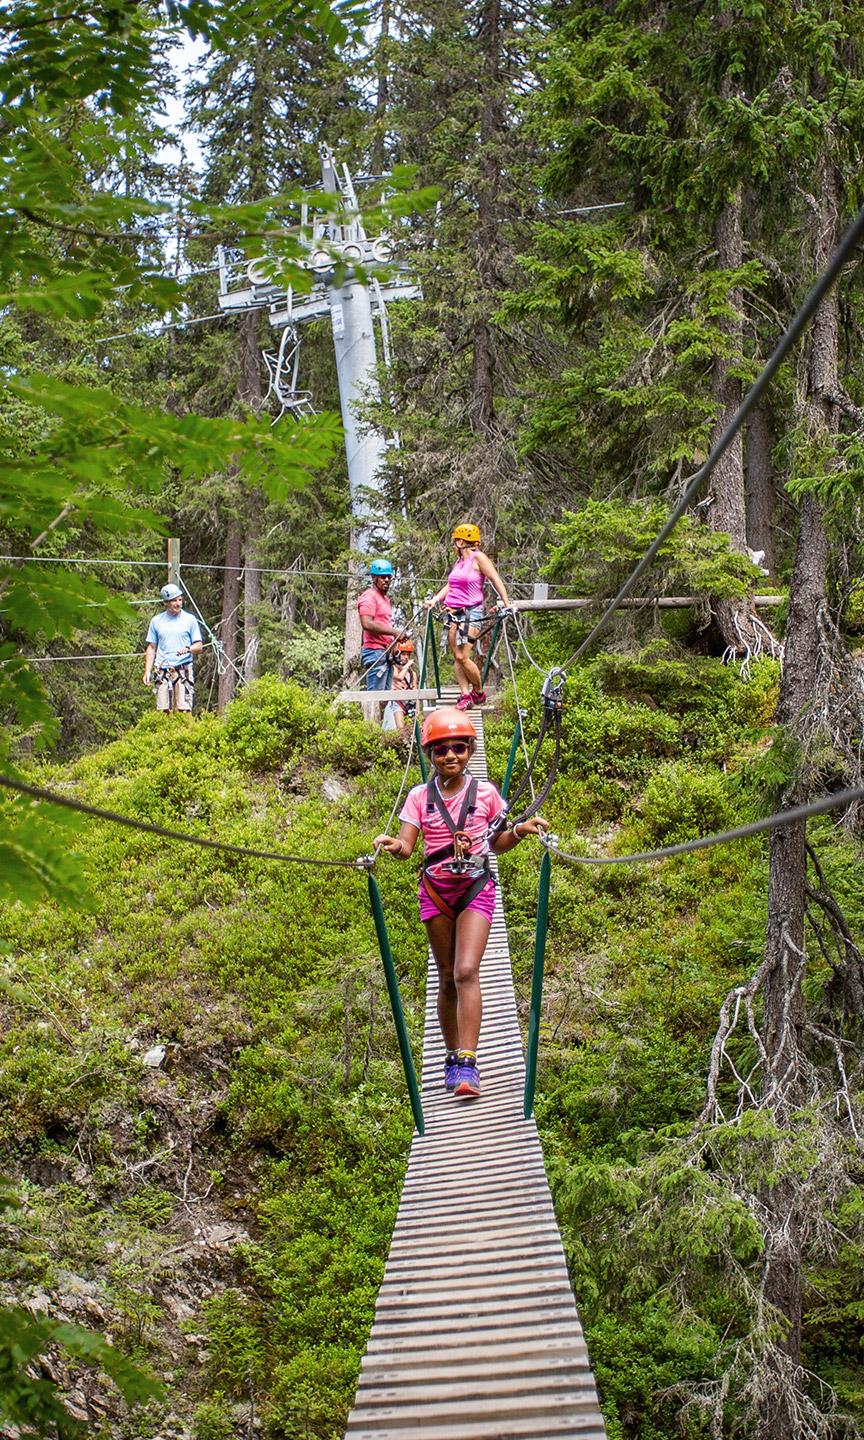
224, 1214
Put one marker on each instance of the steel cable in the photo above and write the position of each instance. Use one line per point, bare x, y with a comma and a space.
722, 837
35, 792
539, 668
218, 647
100, 655
389, 821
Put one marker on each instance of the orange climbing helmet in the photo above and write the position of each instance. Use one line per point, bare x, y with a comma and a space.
404, 647
446, 724
468, 532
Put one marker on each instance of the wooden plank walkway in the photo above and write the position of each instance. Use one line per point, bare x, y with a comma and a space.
476, 1335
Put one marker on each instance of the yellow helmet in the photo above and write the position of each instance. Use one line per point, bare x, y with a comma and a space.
468, 532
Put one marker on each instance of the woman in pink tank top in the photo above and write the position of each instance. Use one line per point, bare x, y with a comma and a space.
462, 598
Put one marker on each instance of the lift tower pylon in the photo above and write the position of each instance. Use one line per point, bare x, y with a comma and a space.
351, 307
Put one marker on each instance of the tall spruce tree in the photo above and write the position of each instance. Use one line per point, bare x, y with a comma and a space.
263, 110
455, 76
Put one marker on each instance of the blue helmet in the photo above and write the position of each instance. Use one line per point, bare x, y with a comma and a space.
171, 592
380, 567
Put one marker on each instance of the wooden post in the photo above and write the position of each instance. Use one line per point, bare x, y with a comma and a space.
173, 561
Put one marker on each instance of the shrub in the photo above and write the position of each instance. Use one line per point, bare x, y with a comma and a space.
269, 721
681, 802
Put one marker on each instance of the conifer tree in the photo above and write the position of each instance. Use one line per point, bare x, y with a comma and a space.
453, 89
263, 109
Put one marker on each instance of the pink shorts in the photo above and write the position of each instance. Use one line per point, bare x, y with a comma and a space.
450, 887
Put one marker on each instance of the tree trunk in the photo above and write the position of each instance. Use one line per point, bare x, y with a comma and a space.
728, 511
760, 488
230, 605
488, 261
785, 938
353, 628
249, 395
382, 96
251, 603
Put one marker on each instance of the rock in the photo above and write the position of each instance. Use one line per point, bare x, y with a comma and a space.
155, 1057
224, 1237
38, 1303
71, 1286
333, 788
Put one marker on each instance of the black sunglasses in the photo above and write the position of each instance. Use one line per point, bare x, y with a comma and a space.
445, 747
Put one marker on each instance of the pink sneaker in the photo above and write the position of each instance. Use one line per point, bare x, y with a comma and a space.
465, 701
478, 697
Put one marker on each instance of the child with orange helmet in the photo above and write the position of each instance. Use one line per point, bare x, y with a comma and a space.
463, 603
404, 678
453, 812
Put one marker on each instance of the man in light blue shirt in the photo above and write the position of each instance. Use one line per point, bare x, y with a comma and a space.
173, 638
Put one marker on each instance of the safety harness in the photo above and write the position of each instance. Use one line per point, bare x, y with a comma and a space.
464, 625
172, 675
457, 853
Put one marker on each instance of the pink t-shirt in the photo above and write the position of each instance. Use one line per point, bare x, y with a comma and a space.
431, 824
375, 606
465, 584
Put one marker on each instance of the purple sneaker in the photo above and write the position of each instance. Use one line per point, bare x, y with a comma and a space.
468, 1082
451, 1072
465, 701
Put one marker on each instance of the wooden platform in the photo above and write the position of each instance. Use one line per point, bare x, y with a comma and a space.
476, 1334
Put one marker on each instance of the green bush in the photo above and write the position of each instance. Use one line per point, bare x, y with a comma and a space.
350, 744
269, 722
681, 802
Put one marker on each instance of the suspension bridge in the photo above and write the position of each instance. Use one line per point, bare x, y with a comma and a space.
476, 1330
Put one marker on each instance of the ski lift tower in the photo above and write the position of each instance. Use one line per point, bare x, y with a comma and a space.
351, 306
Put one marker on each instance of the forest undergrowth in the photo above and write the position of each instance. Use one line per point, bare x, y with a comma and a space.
201, 1089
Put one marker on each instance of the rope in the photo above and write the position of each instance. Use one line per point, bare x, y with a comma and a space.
37, 793
43, 659
842, 253
772, 822
402, 786
289, 571
539, 668
537, 800
221, 653
68, 560
518, 710
115, 655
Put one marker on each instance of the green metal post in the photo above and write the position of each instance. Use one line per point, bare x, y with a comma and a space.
511, 758
396, 1001
420, 756
537, 982
422, 679
490, 652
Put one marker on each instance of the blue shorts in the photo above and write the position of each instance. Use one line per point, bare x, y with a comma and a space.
463, 620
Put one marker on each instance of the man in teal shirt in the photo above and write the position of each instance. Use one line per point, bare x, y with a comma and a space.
173, 638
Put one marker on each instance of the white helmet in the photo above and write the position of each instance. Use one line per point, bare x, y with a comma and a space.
171, 592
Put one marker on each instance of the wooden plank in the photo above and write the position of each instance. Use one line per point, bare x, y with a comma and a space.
631, 602
358, 696
552, 1427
